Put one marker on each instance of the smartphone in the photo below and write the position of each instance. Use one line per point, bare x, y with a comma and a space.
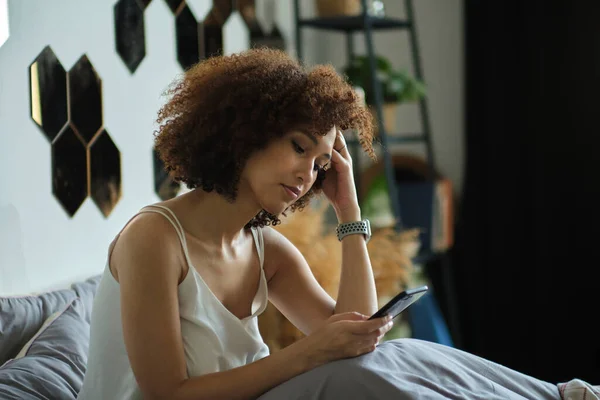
400, 302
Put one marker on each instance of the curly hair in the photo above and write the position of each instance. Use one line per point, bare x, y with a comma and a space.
223, 109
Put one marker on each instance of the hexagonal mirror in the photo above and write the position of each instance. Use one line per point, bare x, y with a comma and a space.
211, 33
164, 186
85, 98
247, 9
186, 32
129, 32
222, 10
174, 5
69, 170
4, 27
48, 93
105, 173
273, 40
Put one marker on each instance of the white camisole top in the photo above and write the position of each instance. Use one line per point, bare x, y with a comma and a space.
214, 339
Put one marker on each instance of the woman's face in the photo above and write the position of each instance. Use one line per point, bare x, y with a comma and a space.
287, 168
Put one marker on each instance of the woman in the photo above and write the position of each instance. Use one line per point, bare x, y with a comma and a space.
175, 317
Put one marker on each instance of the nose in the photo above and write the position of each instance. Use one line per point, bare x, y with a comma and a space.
306, 172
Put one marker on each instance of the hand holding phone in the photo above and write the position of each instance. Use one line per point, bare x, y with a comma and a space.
400, 302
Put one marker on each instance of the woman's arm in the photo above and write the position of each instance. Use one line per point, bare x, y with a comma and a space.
357, 284
146, 261
247, 382
293, 288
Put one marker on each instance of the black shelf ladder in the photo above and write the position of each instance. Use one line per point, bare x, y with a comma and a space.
367, 24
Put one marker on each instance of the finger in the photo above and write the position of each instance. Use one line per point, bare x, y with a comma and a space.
389, 326
336, 157
365, 327
364, 348
377, 334
341, 146
380, 333
348, 316
338, 162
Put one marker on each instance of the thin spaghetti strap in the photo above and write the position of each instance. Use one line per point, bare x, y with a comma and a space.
259, 241
179, 233
180, 228
143, 210
176, 224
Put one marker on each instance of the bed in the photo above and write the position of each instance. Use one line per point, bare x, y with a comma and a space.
44, 344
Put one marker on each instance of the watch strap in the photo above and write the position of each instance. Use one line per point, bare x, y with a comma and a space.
353, 228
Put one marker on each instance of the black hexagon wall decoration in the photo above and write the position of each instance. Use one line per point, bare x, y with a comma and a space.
145, 3
48, 93
273, 39
85, 160
164, 185
221, 10
105, 172
85, 98
259, 38
212, 34
247, 9
69, 170
199, 40
175, 5
186, 33
129, 32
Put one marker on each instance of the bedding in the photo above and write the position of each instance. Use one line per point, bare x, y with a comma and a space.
52, 363
21, 317
44, 340
406, 369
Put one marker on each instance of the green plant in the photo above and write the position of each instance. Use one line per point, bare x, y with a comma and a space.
397, 86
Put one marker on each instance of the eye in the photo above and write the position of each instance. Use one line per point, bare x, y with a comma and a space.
297, 148
320, 175
322, 169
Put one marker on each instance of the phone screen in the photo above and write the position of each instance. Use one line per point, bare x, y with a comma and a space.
401, 302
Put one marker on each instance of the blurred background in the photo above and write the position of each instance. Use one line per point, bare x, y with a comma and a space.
488, 130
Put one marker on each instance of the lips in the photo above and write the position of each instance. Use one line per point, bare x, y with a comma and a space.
292, 191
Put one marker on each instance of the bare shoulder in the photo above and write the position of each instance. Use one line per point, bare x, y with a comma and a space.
147, 226
148, 240
146, 259
276, 244
279, 250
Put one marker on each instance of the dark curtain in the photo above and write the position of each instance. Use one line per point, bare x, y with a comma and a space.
526, 263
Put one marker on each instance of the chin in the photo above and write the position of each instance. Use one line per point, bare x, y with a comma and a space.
275, 208
274, 204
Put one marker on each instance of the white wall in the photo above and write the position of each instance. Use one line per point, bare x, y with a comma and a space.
41, 247
3, 21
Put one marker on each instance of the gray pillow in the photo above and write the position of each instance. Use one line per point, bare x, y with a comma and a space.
21, 317
86, 291
53, 364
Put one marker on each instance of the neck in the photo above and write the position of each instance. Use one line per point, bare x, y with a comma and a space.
212, 219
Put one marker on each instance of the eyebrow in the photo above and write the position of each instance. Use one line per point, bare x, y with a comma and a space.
311, 137
316, 142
